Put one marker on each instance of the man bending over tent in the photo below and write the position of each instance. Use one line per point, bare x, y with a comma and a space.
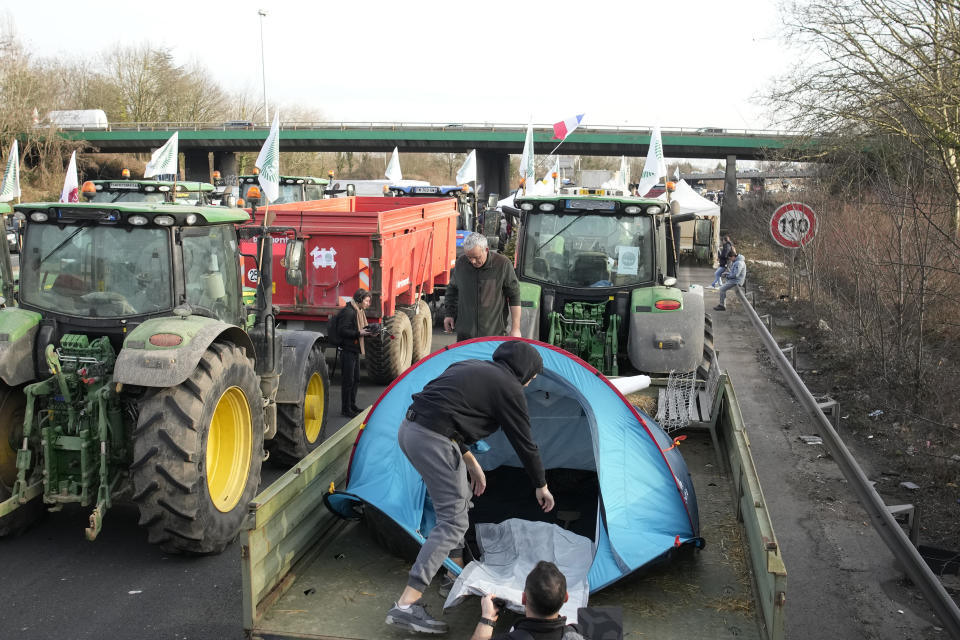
469, 401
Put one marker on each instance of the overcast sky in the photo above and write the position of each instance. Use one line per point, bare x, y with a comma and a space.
698, 64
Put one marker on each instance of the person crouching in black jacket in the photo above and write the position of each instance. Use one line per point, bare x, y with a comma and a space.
544, 593
352, 326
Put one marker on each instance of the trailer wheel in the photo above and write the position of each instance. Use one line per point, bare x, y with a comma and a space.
197, 452
301, 427
13, 404
421, 322
390, 352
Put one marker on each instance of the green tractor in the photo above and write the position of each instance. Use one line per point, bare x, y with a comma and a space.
133, 369
593, 280
127, 191
292, 188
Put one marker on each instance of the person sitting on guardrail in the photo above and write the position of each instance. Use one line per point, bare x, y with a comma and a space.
723, 258
736, 275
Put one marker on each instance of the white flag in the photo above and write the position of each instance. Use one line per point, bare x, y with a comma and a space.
269, 161
527, 166
468, 171
165, 160
71, 184
676, 173
655, 166
11, 176
393, 169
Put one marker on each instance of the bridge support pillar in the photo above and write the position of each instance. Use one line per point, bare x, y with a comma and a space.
493, 174
226, 163
196, 165
730, 188
730, 200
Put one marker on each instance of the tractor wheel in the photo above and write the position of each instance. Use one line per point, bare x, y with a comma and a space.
13, 404
391, 351
197, 452
301, 427
421, 323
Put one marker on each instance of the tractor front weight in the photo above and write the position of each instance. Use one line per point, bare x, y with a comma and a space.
77, 414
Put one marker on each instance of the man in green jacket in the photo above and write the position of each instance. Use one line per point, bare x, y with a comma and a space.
483, 287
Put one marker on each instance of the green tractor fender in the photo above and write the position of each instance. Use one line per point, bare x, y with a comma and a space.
18, 333
145, 362
297, 346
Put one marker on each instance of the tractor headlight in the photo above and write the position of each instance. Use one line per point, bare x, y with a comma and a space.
631, 209
192, 218
163, 221
137, 221
527, 206
655, 209
547, 206
39, 216
163, 187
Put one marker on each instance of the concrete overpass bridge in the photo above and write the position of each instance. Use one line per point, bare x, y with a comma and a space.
493, 142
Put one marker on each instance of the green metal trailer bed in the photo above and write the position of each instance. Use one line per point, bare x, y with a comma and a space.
308, 574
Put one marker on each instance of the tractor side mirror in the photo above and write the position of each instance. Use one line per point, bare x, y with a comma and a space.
295, 263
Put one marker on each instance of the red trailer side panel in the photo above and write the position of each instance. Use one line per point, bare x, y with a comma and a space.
393, 247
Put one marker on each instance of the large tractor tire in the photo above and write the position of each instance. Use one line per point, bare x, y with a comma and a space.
421, 323
13, 403
391, 351
301, 427
197, 452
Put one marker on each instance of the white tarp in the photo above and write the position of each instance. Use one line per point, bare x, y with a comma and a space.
511, 549
691, 201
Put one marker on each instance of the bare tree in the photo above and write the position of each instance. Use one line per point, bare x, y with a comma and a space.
879, 67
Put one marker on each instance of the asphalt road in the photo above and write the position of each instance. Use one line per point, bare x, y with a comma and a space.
56, 585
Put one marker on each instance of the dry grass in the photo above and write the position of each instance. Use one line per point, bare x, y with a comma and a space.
647, 404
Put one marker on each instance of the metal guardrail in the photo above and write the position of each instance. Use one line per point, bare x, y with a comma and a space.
880, 517
432, 126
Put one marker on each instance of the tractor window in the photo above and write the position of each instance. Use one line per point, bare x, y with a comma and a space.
210, 272
314, 192
289, 193
96, 271
588, 250
128, 196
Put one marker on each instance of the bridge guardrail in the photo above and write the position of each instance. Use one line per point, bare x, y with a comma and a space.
438, 126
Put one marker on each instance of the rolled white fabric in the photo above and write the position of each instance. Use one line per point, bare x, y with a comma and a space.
629, 384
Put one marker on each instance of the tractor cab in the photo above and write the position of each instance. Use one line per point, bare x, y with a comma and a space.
146, 191
292, 188
113, 267
592, 265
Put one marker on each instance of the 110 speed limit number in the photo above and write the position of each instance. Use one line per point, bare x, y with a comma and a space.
793, 225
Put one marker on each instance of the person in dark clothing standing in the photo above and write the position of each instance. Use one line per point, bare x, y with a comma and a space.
352, 326
469, 401
722, 258
544, 593
484, 285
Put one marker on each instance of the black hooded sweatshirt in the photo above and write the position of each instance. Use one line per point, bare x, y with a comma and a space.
472, 399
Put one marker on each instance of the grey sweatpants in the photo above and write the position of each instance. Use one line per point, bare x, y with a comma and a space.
441, 466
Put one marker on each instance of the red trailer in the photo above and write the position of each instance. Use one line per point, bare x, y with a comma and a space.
400, 249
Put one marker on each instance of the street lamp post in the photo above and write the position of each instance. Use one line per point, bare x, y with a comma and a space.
263, 67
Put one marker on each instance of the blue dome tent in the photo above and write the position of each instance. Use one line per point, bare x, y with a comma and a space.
616, 476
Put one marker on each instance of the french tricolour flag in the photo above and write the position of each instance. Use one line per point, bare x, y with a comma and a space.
565, 127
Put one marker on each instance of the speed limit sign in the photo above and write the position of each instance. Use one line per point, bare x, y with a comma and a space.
793, 225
